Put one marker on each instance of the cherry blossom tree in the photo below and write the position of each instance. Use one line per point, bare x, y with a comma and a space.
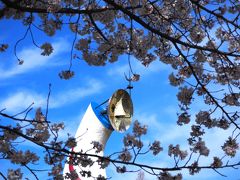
199, 39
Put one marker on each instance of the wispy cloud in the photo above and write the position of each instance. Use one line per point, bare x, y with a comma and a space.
20, 99
92, 87
33, 60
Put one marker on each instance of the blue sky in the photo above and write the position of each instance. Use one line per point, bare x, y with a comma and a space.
155, 102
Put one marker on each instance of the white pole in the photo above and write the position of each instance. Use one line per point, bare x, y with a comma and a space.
93, 127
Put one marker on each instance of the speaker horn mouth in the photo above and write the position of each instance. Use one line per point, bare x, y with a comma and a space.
120, 110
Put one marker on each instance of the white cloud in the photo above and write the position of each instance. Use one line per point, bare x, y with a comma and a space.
18, 101
34, 60
148, 119
70, 96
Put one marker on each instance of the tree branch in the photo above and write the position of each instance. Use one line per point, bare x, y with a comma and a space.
204, 88
1, 174
97, 28
215, 14
16, 6
164, 35
67, 152
22, 120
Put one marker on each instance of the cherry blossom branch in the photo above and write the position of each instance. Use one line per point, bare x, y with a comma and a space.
17, 6
67, 152
204, 88
196, 2
164, 35
126, 11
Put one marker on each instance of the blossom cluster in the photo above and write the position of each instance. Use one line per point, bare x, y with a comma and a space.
201, 148
155, 147
97, 146
176, 152
3, 47
125, 156
230, 147
47, 49
167, 176
139, 130
66, 74
185, 95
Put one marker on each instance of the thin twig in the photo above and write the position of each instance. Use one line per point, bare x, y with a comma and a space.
4, 177
21, 120
219, 172
25, 110
30, 171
